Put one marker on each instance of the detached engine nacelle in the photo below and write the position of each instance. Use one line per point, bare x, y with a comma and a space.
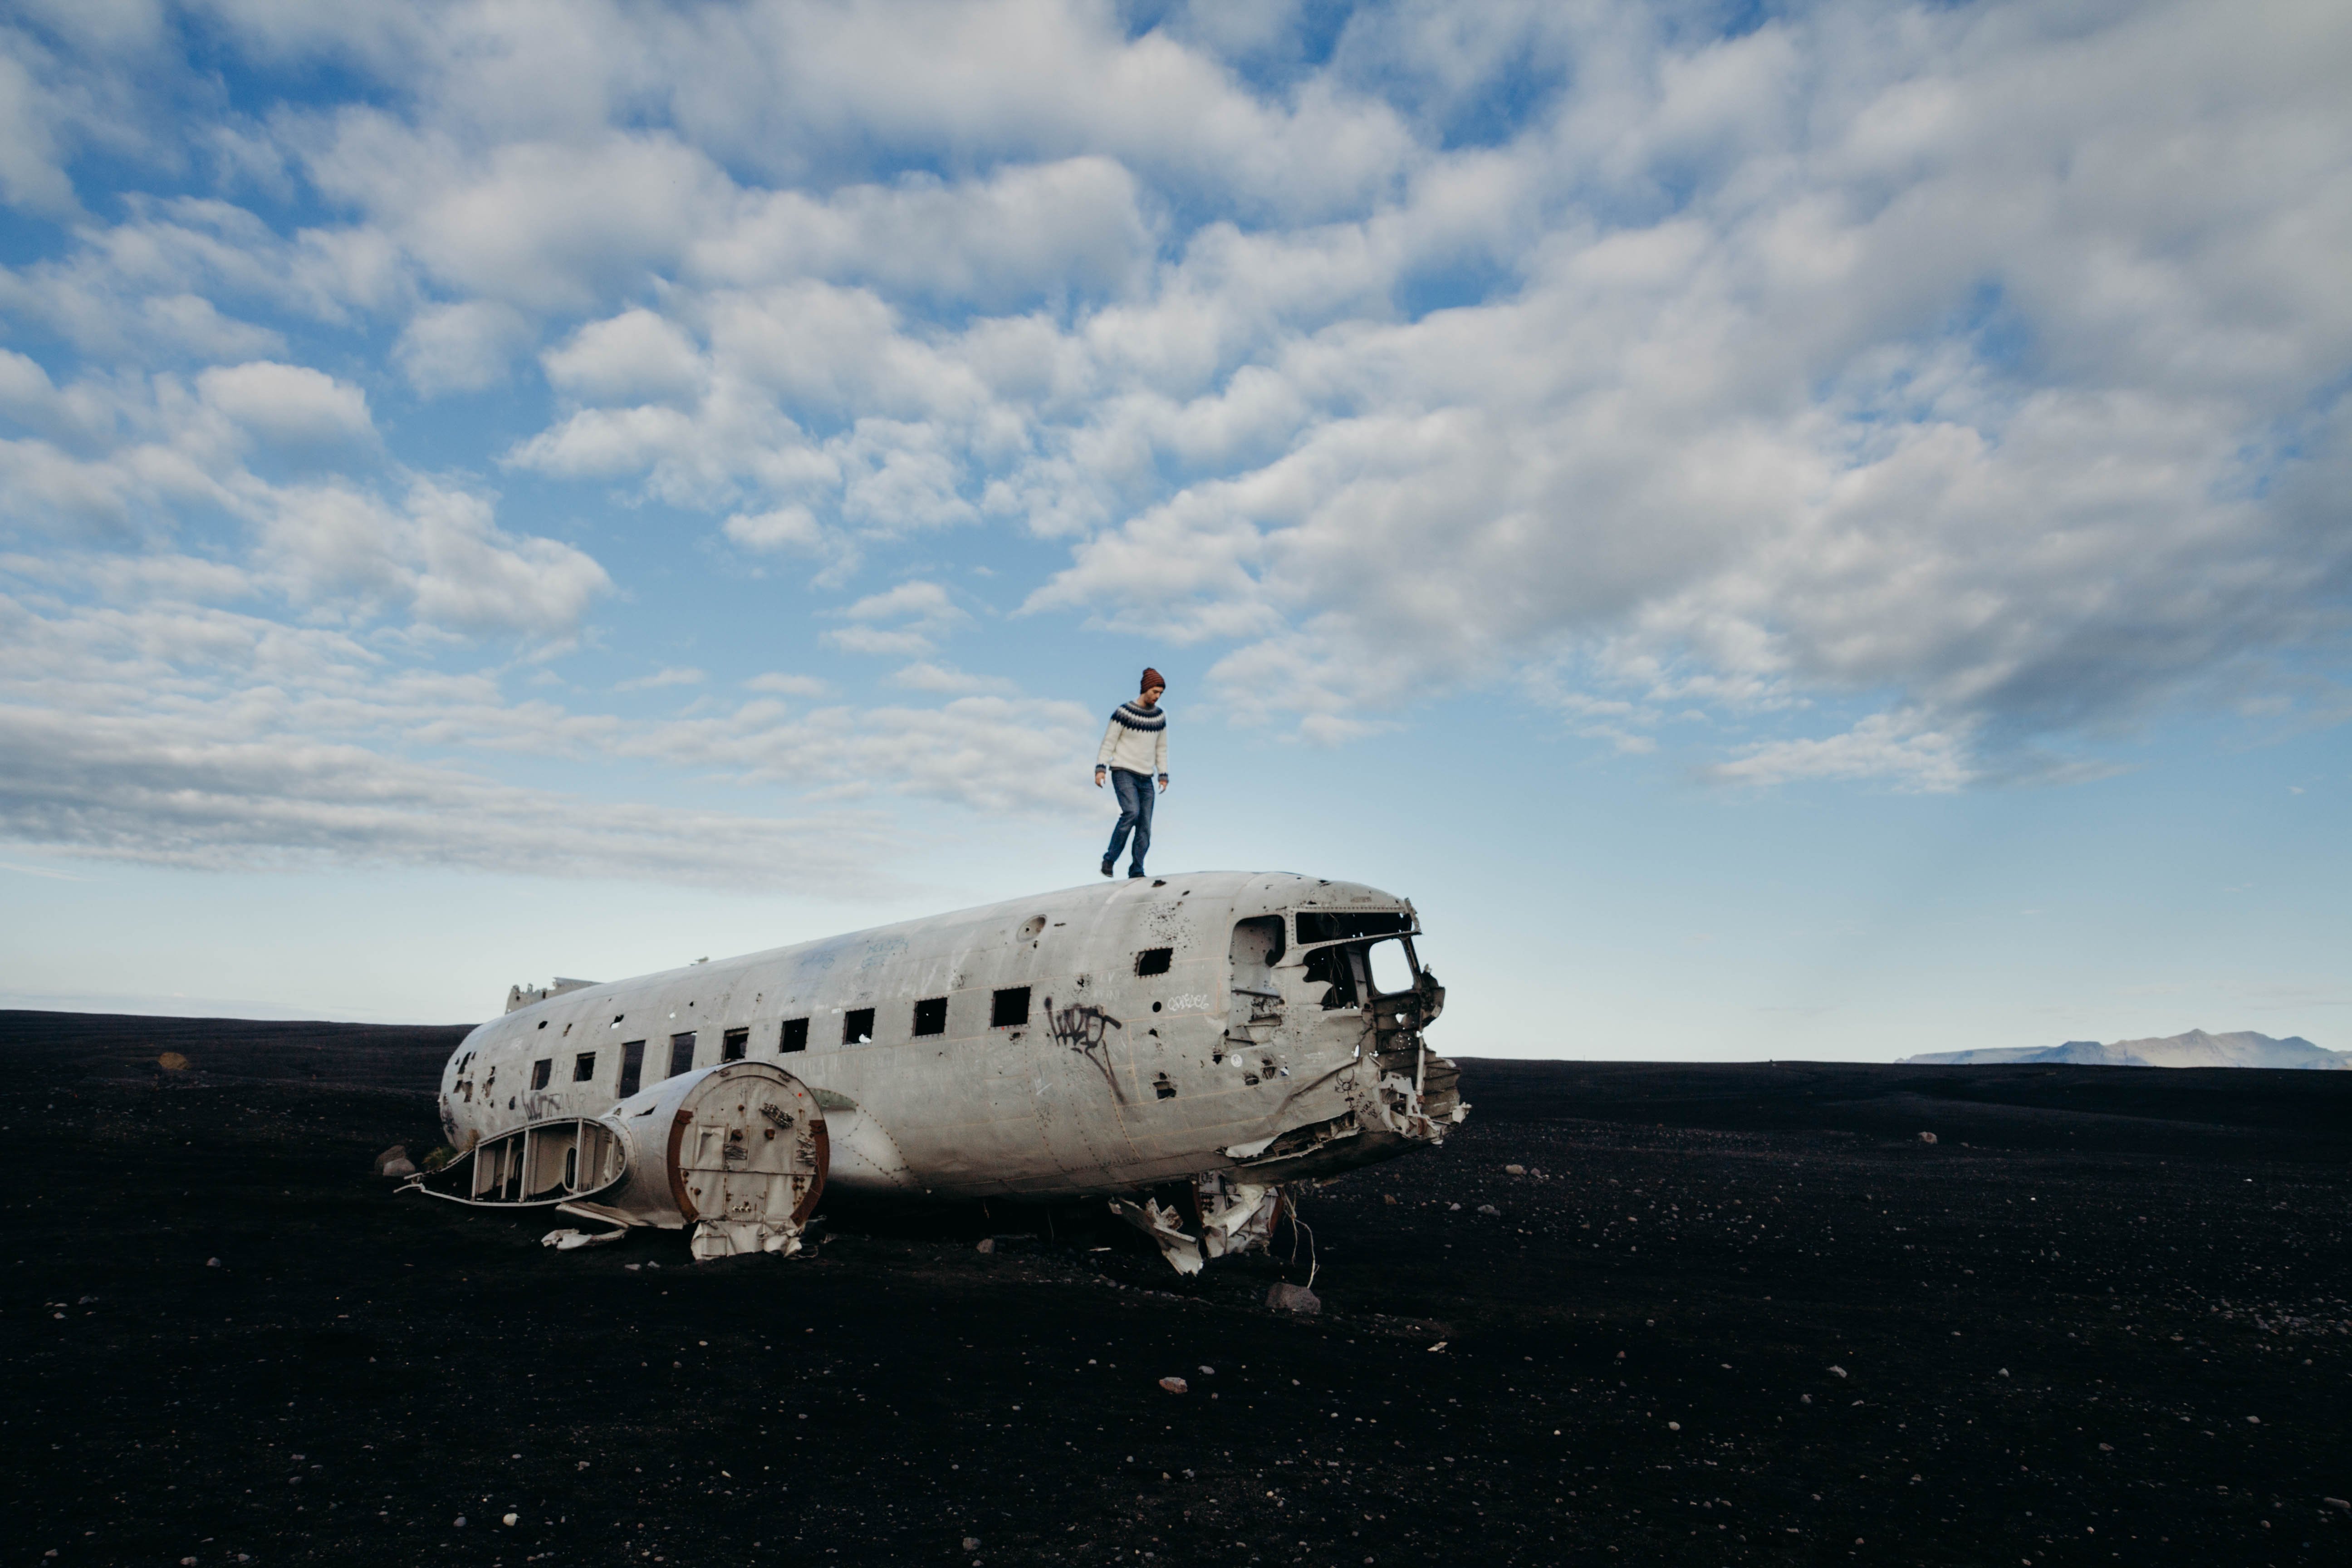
737, 1151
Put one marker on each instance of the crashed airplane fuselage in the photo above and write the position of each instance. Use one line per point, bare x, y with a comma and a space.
1181, 1047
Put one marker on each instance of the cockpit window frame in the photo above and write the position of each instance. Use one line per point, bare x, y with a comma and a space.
1305, 953
1411, 966
1407, 924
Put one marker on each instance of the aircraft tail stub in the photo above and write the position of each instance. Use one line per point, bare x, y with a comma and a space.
541, 1165
739, 1152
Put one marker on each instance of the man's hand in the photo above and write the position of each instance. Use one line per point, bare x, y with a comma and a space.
1100, 773
1163, 784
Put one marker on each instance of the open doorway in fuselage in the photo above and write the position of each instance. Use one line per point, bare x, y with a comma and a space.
1257, 946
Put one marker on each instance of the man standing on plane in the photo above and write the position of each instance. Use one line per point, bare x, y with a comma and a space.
1134, 750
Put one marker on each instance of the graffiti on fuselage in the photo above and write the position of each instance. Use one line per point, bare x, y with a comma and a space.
1082, 1027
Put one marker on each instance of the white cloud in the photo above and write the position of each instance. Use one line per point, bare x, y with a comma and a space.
201, 737
164, 578
149, 291
472, 576
927, 607
330, 544
926, 676
780, 528
77, 79
990, 752
169, 793
632, 356
32, 172
675, 676
1074, 226
788, 685
1884, 746
1982, 362
543, 226
927, 601
885, 644
192, 326
26, 392
1746, 437
289, 405
463, 347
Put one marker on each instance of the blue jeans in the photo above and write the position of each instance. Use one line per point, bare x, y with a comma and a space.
1134, 797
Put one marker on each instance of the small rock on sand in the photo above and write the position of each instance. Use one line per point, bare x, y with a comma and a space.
1284, 1298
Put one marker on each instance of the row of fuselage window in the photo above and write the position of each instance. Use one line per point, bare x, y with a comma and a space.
1008, 1008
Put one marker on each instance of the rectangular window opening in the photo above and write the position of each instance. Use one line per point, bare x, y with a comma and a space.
793, 1037
1154, 960
633, 1068
858, 1027
1390, 966
733, 1044
681, 1054
1335, 968
1010, 1008
1336, 925
541, 1071
932, 1015
584, 1067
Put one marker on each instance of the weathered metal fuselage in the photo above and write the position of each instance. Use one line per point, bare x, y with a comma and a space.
1101, 1041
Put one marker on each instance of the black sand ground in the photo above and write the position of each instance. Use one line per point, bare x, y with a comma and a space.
1744, 1315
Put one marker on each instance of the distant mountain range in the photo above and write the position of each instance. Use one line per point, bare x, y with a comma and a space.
2194, 1050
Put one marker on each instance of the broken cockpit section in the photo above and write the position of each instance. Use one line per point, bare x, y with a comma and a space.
1341, 995
1359, 971
1365, 963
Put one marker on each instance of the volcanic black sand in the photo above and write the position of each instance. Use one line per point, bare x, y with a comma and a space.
1744, 1314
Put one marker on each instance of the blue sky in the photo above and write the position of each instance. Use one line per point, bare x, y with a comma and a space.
1791, 530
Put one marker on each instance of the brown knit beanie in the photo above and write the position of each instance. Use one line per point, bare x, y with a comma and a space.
1152, 678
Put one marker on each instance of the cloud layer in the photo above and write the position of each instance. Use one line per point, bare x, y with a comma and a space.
1976, 374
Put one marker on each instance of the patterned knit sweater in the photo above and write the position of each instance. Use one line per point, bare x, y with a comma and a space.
1136, 739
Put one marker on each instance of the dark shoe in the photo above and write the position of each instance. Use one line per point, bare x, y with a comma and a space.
1135, 874
1105, 867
